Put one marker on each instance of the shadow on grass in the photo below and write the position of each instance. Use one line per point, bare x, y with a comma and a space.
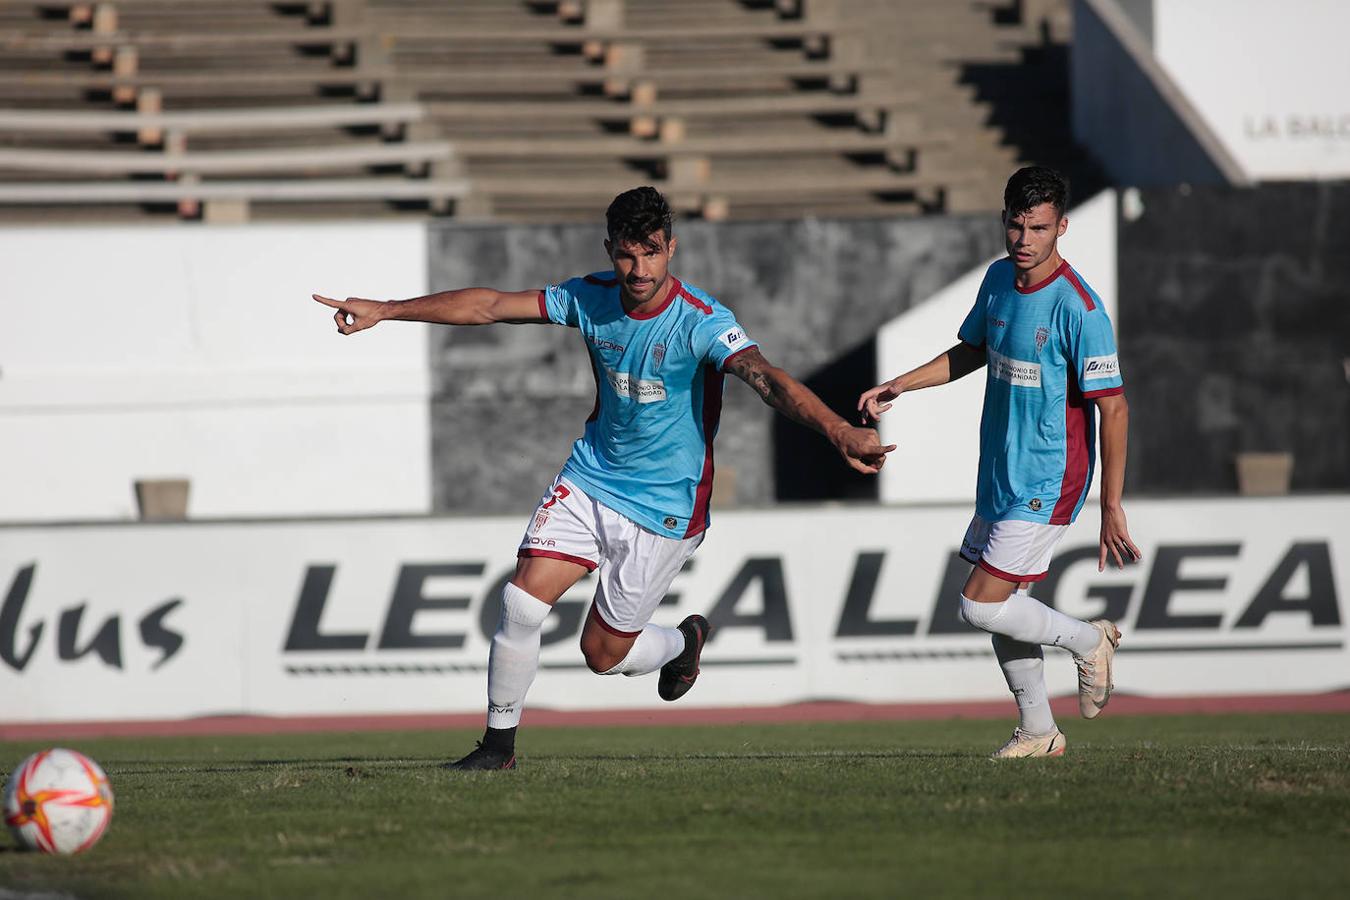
192, 767
748, 756
170, 766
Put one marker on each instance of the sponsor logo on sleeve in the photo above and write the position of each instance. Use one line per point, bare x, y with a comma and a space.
1097, 367
1017, 372
733, 338
638, 389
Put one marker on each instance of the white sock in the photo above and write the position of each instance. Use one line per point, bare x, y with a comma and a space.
1023, 667
654, 647
514, 658
1024, 618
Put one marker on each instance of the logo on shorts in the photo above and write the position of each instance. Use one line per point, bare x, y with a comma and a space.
540, 519
1035, 504
670, 522
658, 355
1042, 335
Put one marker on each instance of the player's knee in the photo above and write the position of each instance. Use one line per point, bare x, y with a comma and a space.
980, 615
600, 658
603, 663
522, 615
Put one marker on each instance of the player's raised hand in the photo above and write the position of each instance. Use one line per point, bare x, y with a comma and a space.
1116, 540
862, 449
353, 314
877, 400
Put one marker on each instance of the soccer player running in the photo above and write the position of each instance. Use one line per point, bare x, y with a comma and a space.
1051, 358
631, 502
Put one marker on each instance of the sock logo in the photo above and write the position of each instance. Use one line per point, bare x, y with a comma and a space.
494, 708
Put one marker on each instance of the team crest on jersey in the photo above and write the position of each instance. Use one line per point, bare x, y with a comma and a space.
1035, 504
658, 355
670, 522
1042, 335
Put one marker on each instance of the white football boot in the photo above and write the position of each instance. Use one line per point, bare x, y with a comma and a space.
1094, 670
1023, 744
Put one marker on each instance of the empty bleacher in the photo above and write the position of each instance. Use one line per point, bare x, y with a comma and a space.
500, 109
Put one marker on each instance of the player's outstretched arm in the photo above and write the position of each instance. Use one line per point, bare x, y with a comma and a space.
469, 306
1114, 431
957, 362
860, 447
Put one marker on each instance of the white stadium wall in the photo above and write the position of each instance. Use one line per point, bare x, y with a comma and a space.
145, 621
1127, 111
172, 352
937, 430
1271, 80
1212, 91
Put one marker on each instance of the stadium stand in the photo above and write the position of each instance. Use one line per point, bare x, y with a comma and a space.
538, 110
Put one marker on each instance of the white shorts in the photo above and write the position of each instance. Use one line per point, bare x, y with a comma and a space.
636, 565
1011, 549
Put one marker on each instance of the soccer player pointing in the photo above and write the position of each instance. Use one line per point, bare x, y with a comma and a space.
1051, 364
631, 502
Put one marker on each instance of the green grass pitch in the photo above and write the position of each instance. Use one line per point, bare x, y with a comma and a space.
1222, 806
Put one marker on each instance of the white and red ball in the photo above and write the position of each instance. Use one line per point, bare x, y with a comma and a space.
58, 801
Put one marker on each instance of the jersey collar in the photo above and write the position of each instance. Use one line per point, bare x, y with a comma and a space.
1063, 267
675, 288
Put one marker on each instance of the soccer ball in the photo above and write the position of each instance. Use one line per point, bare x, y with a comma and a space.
58, 801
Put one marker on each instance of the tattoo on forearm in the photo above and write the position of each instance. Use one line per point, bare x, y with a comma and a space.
752, 368
758, 379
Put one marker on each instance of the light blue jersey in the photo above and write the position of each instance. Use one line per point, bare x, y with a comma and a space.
647, 451
1050, 350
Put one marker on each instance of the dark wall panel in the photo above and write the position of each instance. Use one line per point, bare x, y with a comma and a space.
1235, 334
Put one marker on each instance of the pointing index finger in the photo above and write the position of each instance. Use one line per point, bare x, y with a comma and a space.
329, 301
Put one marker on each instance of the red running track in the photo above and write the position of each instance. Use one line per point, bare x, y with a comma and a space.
819, 711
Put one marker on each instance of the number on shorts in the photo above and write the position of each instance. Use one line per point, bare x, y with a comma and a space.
560, 492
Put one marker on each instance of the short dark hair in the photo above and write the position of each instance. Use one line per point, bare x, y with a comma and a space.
635, 215
1031, 186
